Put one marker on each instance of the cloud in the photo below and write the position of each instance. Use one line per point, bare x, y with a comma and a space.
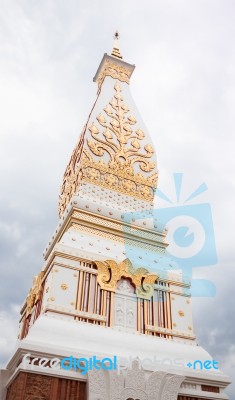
9, 332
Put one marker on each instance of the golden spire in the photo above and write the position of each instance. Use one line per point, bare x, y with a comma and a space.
116, 51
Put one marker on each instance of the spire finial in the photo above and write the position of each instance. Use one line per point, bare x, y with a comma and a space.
116, 51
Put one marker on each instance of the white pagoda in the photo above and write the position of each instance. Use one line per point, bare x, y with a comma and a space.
90, 299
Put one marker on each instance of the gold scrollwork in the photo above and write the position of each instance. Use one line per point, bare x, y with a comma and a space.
34, 293
115, 71
114, 135
127, 164
72, 176
109, 273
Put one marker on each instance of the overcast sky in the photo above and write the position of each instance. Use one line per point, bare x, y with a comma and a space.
184, 87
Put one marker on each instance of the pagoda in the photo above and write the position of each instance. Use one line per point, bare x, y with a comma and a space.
102, 294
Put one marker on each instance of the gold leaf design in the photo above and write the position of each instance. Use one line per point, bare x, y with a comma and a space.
123, 146
95, 148
108, 111
93, 129
135, 144
35, 293
107, 134
101, 119
132, 120
140, 134
112, 136
115, 71
73, 174
149, 149
109, 273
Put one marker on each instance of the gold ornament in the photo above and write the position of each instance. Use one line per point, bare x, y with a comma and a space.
64, 286
72, 176
181, 313
109, 273
114, 70
35, 293
123, 146
126, 163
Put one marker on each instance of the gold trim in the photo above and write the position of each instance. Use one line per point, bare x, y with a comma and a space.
77, 313
170, 332
116, 238
120, 226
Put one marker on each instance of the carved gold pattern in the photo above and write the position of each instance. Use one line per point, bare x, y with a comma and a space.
72, 176
34, 293
126, 164
64, 286
181, 313
122, 145
117, 238
109, 273
118, 226
116, 71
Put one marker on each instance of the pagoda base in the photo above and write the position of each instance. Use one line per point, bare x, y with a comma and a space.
31, 386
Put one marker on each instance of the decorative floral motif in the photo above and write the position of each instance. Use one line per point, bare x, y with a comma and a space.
109, 273
64, 286
133, 384
126, 164
181, 313
171, 387
115, 71
72, 176
121, 142
35, 293
128, 161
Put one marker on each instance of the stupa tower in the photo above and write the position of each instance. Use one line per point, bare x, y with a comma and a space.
91, 299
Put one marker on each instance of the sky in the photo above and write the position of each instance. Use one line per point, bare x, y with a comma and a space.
184, 87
